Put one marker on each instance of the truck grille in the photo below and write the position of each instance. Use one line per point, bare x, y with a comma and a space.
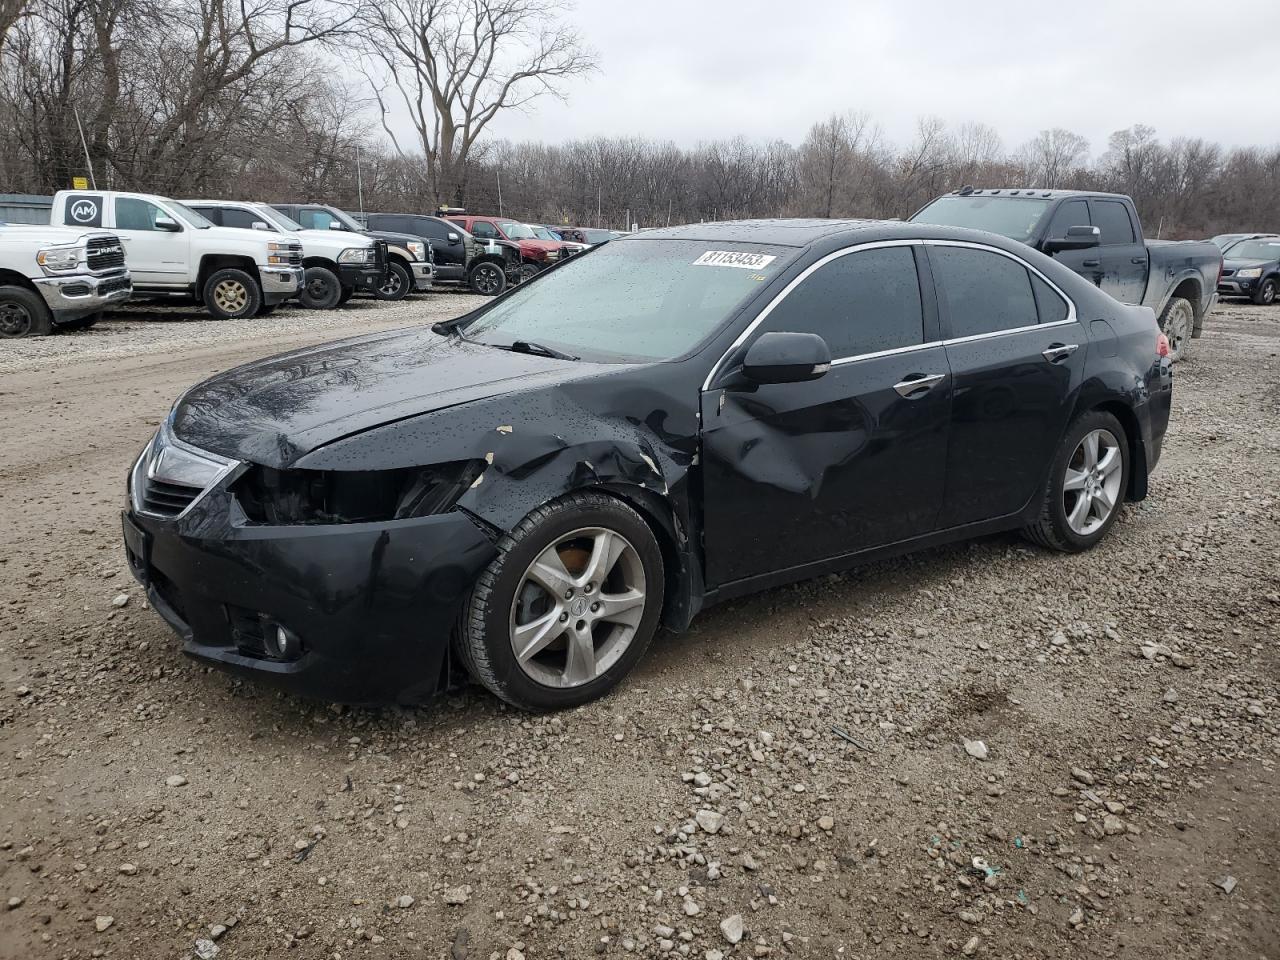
164, 499
104, 253
380, 254
294, 252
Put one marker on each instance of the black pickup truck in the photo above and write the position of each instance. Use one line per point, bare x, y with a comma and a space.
1099, 236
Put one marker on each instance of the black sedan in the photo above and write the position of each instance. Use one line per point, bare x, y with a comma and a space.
663, 422
1251, 268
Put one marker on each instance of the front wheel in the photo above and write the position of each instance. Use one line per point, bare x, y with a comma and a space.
23, 314
320, 289
567, 607
1087, 482
528, 271
1266, 293
1178, 323
397, 284
232, 295
487, 279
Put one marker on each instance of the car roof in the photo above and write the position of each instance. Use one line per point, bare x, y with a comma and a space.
783, 233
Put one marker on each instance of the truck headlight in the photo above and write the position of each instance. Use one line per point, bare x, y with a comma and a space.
417, 250
1251, 274
59, 259
356, 255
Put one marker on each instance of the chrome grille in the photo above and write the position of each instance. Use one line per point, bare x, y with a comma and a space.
166, 499
104, 253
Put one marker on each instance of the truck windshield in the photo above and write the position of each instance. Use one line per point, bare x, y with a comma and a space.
1012, 217
274, 216
197, 220
646, 299
1254, 250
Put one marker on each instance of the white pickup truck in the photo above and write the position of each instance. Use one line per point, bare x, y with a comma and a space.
174, 251
57, 278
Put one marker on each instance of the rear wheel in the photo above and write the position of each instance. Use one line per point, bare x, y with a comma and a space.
487, 279
567, 607
397, 284
23, 313
320, 289
1267, 292
1086, 485
1178, 324
232, 295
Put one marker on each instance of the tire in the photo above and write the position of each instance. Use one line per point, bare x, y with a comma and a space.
398, 283
347, 294
81, 323
23, 313
1054, 528
1178, 324
267, 310
1266, 293
528, 271
572, 528
320, 289
487, 279
231, 294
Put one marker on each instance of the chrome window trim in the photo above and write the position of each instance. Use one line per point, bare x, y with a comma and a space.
876, 244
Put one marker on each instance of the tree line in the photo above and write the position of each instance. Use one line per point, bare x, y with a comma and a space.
389, 106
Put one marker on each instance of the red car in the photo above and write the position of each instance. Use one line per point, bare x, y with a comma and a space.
536, 254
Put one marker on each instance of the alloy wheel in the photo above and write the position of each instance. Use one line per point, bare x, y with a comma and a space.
15, 320
1091, 488
230, 296
488, 278
390, 286
1178, 328
577, 608
1268, 293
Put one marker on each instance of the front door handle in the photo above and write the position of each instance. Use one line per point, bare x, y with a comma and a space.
1137, 259
1091, 263
1058, 352
918, 384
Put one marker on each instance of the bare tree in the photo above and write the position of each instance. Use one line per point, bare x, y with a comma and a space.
1050, 158
454, 65
833, 162
10, 11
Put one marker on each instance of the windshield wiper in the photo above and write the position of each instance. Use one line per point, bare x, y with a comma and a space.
540, 350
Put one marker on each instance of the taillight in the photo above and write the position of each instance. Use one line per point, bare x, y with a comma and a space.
1221, 264
1162, 345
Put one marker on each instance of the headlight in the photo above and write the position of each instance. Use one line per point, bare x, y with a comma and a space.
1251, 274
275, 496
59, 259
417, 250
279, 246
356, 255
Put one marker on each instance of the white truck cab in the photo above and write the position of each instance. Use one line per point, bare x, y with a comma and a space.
57, 278
174, 251
337, 264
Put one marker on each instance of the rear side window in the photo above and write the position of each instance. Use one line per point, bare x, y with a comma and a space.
1073, 213
1050, 303
860, 303
984, 292
1112, 218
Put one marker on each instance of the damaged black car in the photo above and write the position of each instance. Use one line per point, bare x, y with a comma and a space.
663, 422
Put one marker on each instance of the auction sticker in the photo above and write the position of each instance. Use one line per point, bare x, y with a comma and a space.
732, 258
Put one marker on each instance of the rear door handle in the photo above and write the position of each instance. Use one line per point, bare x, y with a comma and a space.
1091, 263
918, 384
1058, 352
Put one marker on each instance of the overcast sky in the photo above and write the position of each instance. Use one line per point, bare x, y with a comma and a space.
690, 70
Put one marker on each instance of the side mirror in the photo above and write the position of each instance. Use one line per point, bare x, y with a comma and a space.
1077, 238
168, 225
453, 237
786, 358
335, 225
259, 225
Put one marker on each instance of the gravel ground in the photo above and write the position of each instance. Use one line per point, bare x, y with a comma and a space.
981, 750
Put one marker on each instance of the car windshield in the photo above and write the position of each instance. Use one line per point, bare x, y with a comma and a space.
646, 299
598, 236
542, 233
1012, 217
272, 215
1255, 250
197, 220
1225, 240
515, 231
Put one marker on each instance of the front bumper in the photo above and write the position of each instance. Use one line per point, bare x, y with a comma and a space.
70, 298
361, 277
423, 276
374, 604
1232, 287
280, 284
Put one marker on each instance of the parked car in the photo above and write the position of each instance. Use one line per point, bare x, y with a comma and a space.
588, 236
409, 268
58, 278
175, 252
673, 420
336, 264
568, 247
1252, 269
486, 267
535, 254
1099, 236
1223, 241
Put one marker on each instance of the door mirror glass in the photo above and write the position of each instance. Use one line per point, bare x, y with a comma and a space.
786, 358
1077, 238
259, 225
453, 237
168, 224
334, 225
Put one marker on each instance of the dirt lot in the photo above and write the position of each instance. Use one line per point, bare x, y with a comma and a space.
792, 772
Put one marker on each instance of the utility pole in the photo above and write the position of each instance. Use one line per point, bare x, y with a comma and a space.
498, 175
359, 183
84, 143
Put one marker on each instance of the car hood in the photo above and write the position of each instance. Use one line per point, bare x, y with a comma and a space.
276, 410
335, 238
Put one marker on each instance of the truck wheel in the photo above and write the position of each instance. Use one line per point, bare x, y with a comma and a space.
23, 313
232, 294
81, 323
320, 289
267, 310
347, 294
528, 271
1266, 293
1178, 324
487, 279
397, 284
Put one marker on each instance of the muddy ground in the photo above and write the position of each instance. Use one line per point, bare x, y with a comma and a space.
791, 774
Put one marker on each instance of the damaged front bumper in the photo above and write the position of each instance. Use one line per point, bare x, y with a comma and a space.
353, 613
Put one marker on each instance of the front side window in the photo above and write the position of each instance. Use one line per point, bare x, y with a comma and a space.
984, 292
860, 303
135, 214
1073, 213
319, 218
484, 230
1112, 218
635, 301
242, 219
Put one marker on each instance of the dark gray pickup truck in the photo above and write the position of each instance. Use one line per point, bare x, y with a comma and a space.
1099, 236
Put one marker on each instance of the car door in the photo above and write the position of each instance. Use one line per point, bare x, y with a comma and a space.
156, 256
1087, 262
1122, 252
446, 241
802, 472
1016, 352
